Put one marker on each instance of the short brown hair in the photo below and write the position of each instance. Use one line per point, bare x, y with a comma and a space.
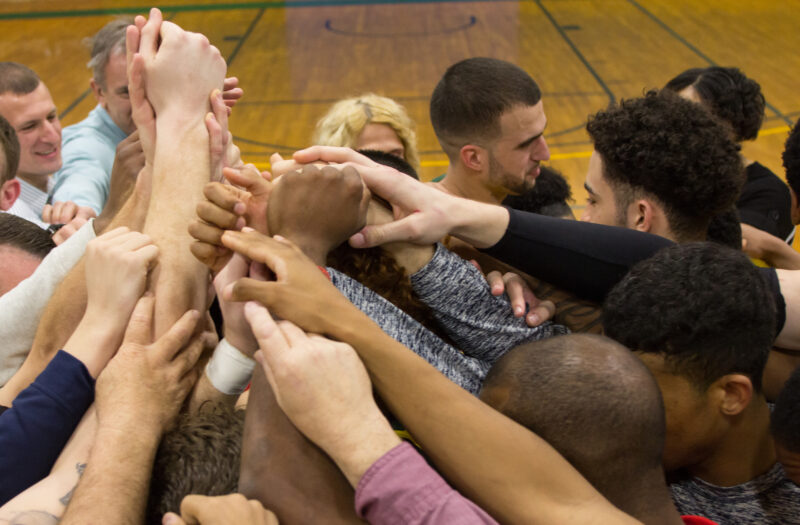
18, 79
8, 137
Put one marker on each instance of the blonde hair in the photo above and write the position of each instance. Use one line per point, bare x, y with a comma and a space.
344, 122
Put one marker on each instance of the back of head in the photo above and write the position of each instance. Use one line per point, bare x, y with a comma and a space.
200, 455
468, 101
109, 40
701, 306
791, 158
17, 79
594, 402
550, 196
661, 146
346, 119
729, 95
10, 160
25, 236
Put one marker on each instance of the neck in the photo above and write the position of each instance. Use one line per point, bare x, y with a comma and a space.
648, 499
39, 181
746, 451
464, 183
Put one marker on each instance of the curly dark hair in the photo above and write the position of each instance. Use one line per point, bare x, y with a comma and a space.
550, 196
663, 146
729, 94
791, 158
702, 306
726, 229
200, 455
785, 419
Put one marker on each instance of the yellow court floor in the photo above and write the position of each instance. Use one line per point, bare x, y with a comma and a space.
295, 58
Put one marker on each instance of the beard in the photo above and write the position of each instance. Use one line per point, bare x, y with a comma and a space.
515, 184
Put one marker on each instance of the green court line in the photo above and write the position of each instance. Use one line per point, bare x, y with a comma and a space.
221, 7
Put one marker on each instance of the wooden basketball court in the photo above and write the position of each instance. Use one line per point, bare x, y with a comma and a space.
294, 59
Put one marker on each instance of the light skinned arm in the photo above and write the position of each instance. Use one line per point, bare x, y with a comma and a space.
138, 396
504, 468
770, 249
220, 510
182, 63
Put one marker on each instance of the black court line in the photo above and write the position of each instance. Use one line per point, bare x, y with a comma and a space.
696, 51
463, 27
246, 35
577, 52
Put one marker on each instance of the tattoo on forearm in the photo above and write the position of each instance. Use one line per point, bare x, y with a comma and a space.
576, 314
31, 517
79, 468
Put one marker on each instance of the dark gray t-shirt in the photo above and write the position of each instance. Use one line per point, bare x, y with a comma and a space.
770, 498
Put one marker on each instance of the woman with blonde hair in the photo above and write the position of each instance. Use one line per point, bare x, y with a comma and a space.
369, 122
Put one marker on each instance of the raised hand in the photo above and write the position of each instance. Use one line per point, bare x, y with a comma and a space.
220, 510
148, 381
523, 301
318, 209
324, 389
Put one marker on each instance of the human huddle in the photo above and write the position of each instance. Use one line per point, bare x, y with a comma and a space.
188, 339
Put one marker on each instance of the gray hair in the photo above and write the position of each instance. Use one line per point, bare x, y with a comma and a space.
106, 42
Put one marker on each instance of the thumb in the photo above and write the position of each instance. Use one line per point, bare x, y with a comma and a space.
140, 325
248, 178
247, 289
375, 235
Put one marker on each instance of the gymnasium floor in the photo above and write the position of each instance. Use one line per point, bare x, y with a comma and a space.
295, 58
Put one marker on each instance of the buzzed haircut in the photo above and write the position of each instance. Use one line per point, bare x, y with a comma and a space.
701, 306
785, 419
729, 95
17, 79
661, 146
25, 236
791, 159
11, 149
200, 455
468, 101
109, 40
594, 401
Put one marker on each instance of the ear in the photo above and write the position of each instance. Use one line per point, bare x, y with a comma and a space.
735, 391
474, 157
98, 91
641, 215
9, 192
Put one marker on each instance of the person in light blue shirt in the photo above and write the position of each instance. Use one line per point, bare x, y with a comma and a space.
89, 147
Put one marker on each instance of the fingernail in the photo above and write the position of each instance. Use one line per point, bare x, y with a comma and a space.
239, 208
518, 311
169, 519
358, 240
533, 319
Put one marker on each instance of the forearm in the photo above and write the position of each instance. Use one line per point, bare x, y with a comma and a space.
479, 224
580, 257
497, 463
115, 485
479, 323
181, 168
285, 471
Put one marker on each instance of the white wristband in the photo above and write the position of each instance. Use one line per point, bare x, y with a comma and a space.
229, 370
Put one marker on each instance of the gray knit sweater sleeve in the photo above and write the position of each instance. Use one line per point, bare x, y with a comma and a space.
480, 324
467, 372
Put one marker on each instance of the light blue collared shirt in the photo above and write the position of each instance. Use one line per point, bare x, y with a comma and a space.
88, 149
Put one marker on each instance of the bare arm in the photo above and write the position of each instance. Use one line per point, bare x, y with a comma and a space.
500, 465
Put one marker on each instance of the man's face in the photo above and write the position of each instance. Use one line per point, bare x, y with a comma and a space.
692, 418
33, 116
514, 157
601, 205
113, 97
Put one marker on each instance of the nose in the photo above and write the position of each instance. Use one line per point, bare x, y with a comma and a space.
540, 150
52, 131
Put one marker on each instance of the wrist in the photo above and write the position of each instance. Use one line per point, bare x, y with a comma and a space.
93, 343
479, 224
356, 454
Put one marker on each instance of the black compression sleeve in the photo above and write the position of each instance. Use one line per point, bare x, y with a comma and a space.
587, 259
579, 257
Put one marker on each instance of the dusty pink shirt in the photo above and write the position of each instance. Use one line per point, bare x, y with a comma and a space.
401, 488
